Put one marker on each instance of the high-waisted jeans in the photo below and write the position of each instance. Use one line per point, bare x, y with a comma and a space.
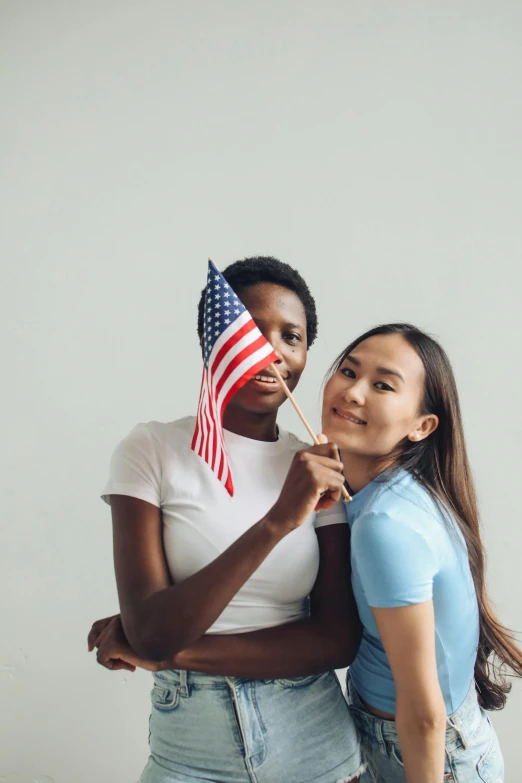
473, 754
237, 730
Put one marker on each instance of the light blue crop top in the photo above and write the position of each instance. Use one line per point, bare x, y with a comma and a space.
404, 551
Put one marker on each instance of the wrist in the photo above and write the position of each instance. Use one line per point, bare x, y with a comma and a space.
160, 666
274, 530
180, 660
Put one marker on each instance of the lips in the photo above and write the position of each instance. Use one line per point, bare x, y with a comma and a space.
265, 383
349, 417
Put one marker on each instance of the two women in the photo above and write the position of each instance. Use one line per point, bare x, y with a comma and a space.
418, 575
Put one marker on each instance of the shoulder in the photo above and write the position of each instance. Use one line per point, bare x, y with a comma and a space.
155, 442
387, 538
410, 509
395, 561
149, 452
398, 492
161, 433
374, 529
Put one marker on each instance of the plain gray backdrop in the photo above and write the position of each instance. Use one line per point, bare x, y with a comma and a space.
375, 146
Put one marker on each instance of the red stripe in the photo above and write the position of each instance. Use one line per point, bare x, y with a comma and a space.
209, 428
215, 429
247, 376
215, 433
223, 461
207, 423
201, 422
232, 340
236, 361
221, 467
229, 485
200, 432
209, 420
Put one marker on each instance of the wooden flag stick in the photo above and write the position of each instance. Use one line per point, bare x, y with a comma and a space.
300, 413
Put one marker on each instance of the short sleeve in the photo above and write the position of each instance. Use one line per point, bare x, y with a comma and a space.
135, 468
394, 561
335, 515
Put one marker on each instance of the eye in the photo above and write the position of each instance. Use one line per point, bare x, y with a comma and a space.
347, 372
292, 337
382, 386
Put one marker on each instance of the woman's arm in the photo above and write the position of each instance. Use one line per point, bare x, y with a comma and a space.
328, 639
160, 619
408, 636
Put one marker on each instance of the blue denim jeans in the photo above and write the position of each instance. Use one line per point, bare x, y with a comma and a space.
236, 730
473, 754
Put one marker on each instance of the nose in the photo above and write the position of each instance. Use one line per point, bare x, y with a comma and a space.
277, 344
354, 392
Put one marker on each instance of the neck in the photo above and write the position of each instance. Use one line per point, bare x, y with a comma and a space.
257, 426
360, 471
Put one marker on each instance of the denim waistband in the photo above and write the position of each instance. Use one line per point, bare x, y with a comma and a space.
185, 680
461, 728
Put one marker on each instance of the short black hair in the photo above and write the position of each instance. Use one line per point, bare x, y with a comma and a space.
267, 269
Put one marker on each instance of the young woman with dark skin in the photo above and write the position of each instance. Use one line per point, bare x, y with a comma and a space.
280, 714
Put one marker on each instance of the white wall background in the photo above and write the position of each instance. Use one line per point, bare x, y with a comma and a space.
376, 146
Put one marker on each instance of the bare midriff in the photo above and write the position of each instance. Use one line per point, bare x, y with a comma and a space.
376, 712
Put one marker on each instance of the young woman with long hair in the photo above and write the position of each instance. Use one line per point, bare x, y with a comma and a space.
433, 652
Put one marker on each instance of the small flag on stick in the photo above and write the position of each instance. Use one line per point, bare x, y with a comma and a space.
234, 350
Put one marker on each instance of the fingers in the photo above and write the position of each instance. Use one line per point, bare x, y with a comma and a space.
107, 658
93, 639
97, 628
112, 653
118, 664
328, 500
93, 635
102, 637
325, 448
115, 664
326, 461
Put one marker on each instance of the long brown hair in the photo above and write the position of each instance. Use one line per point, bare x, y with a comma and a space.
440, 463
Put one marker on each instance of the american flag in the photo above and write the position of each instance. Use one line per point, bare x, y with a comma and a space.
234, 350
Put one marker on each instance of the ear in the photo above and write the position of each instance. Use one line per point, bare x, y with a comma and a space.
425, 426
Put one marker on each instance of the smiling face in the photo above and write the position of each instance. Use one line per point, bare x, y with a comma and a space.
372, 403
280, 316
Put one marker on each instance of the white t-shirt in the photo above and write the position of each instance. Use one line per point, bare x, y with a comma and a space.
200, 520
